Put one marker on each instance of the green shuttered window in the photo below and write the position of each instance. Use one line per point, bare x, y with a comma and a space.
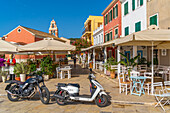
138, 26
126, 8
110, 35
133, 5
106, 19
116, 7
141, 2
153, 20
113, 12
126, 31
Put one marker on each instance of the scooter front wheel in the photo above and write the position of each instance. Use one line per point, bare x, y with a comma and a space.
101, 101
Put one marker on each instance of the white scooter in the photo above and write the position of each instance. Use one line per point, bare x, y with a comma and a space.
70, 92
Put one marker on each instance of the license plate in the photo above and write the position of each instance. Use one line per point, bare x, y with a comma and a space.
7, 87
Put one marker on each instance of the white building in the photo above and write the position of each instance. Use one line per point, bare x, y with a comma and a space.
134, 19
98, 36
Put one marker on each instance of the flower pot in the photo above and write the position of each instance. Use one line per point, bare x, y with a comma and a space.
107, 72
17, 78
22, 77
112, 74
46, 77
4, 78
28, 77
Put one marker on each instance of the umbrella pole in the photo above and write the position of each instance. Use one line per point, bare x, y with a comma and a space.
152, 88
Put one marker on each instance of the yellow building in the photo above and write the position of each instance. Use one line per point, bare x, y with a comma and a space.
92, 23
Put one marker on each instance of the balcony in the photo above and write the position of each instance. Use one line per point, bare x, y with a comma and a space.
86, 31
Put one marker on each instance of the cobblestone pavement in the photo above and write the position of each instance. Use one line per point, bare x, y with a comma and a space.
79, 75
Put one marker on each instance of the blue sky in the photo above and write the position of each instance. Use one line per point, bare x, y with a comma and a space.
69, 15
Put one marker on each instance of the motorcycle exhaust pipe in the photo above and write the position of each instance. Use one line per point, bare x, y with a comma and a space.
11, 93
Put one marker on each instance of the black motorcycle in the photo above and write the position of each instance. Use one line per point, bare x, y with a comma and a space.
16, 89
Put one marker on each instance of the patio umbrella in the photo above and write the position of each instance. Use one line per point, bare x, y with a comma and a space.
46, 45
7, 47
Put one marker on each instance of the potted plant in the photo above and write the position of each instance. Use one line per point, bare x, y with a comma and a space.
129, 64
111, 62
32, 66
17, 77
47, 67
22, 69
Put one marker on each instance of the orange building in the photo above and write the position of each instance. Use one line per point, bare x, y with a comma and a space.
23, 35
112, 24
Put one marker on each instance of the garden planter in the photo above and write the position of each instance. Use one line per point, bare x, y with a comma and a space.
4, 78
46, 77
22, 77
17, 78
107, 72
28, 77
112, 74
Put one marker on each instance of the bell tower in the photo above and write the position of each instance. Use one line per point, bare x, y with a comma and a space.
53, 28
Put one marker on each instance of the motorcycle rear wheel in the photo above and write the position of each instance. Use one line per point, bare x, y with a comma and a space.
45, 96
12, 97
61, 101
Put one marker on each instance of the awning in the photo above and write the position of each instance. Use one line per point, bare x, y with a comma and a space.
109, 43
91, 47
145, 38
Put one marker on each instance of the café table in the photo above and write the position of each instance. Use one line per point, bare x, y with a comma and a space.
68, 71
135, 81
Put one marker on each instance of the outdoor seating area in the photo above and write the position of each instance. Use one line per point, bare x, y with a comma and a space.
139, 83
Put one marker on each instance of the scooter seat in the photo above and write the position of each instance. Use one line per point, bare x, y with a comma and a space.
62, 84
75, 85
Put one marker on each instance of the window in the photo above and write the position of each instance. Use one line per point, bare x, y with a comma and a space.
106, 19
110, 38
126, 31
115, 11
153, 20
126, 8
19, 30
138, 3
52, 25
133, 5
110, 16
138, 26
141, 2
101, 38
116, 31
